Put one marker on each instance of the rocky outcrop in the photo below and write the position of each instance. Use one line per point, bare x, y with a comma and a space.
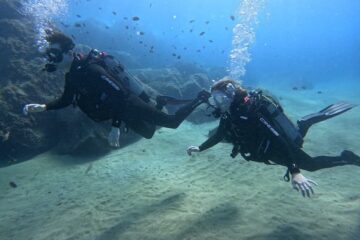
21, 81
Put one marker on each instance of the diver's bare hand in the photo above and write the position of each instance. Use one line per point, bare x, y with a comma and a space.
33, 107
303, 184
192, 149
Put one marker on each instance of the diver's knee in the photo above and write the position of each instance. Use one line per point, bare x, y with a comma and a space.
148, 135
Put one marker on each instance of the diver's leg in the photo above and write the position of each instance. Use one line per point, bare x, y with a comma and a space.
152, 115
142, 128
331, 111
309, 163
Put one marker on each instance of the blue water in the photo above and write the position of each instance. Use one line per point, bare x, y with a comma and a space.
314, 40
299, 41
166, 26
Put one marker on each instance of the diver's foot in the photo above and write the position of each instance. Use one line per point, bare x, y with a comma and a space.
203, 96
350, 157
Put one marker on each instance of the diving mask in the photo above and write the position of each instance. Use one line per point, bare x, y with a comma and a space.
222, 99
56, 58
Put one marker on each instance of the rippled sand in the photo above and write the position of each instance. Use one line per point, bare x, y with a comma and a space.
153, 190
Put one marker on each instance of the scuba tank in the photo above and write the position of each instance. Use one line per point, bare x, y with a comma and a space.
272, 110
118, 71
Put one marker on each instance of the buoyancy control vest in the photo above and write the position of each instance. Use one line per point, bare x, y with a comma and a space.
262, 111
117, 70
95, 89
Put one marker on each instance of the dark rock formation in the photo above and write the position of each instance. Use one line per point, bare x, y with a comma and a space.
21, 82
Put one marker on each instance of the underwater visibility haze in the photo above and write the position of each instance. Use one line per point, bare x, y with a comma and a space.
63, 176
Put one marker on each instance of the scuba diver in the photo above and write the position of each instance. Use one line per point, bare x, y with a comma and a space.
103, 90
256, 125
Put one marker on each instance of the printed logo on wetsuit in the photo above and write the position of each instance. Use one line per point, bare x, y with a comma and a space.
110, 82
269, 127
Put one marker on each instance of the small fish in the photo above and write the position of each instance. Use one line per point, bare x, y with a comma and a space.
114, 13
150, 5
6, 136
140, 33
191, 21
88, 169
77, 25
207, 22
100, 8
127, 27
12, 184
65, 25
198, 50
73, 37
141, 42
107, 27
191, 30
135, 18
125, 18
226, 28
202, 33
152, 47
211, 41
232, 17
185, 48
174, 55
79, 16
84, 25
179, 57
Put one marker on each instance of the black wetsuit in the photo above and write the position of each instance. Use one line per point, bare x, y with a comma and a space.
257, 137
103, 97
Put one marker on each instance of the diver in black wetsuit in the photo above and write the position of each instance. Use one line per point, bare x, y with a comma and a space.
260, 131
106, 92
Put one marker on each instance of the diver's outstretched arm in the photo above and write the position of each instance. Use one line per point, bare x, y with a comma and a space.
211, 141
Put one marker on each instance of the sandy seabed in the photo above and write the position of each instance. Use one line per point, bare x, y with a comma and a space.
153, 190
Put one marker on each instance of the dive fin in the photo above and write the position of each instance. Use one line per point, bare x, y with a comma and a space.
350, 157
330, 111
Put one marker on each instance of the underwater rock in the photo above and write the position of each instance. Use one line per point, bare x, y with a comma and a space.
9, 9
20, 83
